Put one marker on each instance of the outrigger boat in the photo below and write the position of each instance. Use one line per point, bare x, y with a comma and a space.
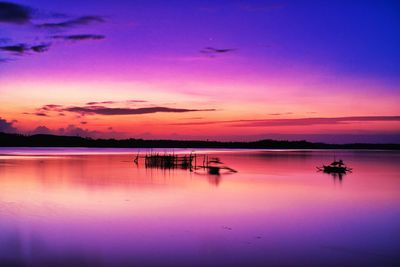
214, 165
335, 167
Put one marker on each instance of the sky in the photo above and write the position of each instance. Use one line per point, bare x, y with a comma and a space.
218, 70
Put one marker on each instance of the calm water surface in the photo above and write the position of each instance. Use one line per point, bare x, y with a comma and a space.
94, 207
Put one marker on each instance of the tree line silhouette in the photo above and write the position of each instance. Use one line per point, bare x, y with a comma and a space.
46, 140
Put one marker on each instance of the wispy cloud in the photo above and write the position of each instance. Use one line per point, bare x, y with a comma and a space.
316, 121
7, 126
41, 130
101, 110
25, 48
115, 102
279, 114
80, 37
295, 121
212, 51
70, 130
50, 107
84, 20
14, 13
101, 102
40, 48
18, 48
40, 114
92, 108
136, 101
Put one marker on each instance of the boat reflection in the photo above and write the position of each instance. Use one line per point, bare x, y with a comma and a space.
336, 176
337, 169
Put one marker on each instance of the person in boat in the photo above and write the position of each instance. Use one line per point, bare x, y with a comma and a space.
337, 163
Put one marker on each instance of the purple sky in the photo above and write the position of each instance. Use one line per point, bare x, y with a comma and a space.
227, 70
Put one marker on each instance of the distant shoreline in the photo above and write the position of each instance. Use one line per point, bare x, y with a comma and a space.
43, 140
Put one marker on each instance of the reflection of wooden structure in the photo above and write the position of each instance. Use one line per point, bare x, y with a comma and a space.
213, 165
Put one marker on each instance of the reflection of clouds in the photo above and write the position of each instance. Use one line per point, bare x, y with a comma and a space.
251, 212
91, 172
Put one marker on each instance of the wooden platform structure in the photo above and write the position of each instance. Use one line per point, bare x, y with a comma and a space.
190, 162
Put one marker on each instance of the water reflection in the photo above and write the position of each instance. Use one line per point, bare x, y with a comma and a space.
102, 210
336, 176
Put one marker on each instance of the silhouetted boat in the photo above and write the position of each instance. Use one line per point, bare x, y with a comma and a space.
335, 167
214, 166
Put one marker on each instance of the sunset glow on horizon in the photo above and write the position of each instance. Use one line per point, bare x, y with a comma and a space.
220, 70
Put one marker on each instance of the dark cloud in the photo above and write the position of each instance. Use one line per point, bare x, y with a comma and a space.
72, 130
40, 48
115, 102
72, 22
40, 114
91, 109
83, 122
80, 37
41, 130
101, 110
212, 52
136, 101
50, 107
316, 121
18, 48
102, 102
7, 126
295, 122
279, 114
14, 13
24, 48
19, 14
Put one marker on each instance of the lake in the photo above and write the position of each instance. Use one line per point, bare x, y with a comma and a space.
95, 207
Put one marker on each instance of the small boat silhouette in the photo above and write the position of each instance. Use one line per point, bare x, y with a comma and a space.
214, 166
335, 167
